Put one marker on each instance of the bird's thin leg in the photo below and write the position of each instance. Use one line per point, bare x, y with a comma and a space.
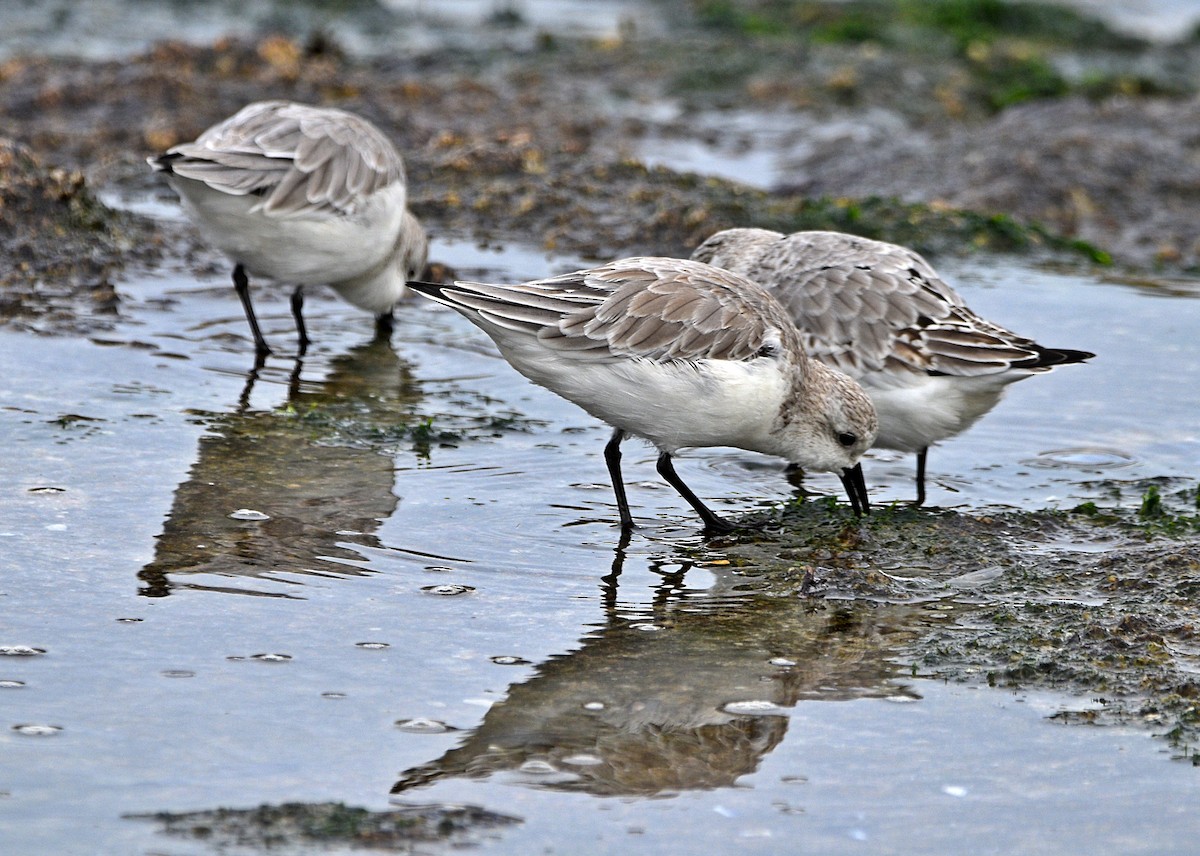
712, 522
242, 286
612, 457
921, 477
298, 314
385, 322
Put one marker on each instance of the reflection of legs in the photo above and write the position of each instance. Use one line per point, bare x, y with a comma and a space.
242, 286
298, 314
711, 522
610, 580
921, 476
612, 457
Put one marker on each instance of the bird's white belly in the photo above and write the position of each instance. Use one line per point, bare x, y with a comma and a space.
919, 410
673, 405
314, 249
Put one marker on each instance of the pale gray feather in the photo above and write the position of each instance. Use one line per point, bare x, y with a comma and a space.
866, 306
303, 160
653, 308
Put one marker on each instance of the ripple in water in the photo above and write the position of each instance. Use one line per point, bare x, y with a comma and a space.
423, 725
448, 589
30, 730
751, 707
1082, 458
248, 514
20, 651
263, 658
7, 684
372, 646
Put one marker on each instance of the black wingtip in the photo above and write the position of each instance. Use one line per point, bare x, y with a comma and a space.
163, 163
1048, 357
430, 289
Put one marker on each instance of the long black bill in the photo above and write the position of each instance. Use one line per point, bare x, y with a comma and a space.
856, 489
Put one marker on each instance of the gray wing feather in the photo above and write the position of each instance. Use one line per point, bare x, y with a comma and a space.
652, 308
302, 159
867, 306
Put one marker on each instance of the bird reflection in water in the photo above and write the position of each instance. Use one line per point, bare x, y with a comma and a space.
655, 704
314, 467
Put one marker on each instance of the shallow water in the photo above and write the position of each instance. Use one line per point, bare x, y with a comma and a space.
432, 539
389, 575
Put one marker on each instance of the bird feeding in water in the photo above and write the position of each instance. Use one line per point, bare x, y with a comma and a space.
305, 195
681, 354
881, 314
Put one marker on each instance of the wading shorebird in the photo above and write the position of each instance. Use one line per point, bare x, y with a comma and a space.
881, 314
681, 354
305, 195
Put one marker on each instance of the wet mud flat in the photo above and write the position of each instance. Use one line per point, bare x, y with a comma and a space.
541, 146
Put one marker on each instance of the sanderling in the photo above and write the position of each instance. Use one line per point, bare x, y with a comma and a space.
881, 314
681, 354
306, 195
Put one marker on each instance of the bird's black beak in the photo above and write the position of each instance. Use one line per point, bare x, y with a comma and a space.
856, 489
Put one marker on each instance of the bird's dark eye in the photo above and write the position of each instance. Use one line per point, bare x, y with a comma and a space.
847, 439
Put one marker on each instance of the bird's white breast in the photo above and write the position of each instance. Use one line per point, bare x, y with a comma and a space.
321, 247
671, 404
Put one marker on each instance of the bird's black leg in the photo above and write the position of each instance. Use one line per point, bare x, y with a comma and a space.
921, 477
712, 523
242, 286
385, 322
612, 457
298, 314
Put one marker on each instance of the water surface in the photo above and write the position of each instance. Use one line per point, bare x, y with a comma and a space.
419, 534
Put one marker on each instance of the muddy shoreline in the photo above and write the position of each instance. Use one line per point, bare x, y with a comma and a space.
539, 147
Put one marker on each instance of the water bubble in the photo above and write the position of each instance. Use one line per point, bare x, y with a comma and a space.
594, 705
448, 589
333, 695
271, 658
8, 684
20, 651
373, 646
47, 489
249, 514
751, 706
37, 730
129, 620
423, 725
177, 673
506, 660
954, 790
439, 569
583, 759
537, 767
781, 661
647, 627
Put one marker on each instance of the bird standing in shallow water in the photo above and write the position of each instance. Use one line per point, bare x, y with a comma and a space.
307, 195
681, 354
881, 314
